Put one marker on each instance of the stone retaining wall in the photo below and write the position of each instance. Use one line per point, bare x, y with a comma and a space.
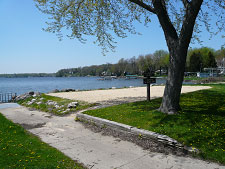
133, 131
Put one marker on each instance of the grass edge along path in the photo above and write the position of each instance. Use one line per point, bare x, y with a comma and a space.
200, 124
20, 149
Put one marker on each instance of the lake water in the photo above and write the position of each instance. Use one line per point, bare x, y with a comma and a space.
47, 84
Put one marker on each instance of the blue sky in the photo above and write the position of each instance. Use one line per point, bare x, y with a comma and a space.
26, 48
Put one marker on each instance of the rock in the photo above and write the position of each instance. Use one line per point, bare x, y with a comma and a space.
54, 91
29, 103
38, 103
49, 102
37, 93
57, 106
50, 109
33, 100
68, 90
23, 97
72, 105
192, 149
31, 109
31, 93
27, 95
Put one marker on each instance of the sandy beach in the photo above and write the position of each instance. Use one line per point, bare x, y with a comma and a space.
116, 96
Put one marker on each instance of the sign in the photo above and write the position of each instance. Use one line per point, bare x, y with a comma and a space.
149, 80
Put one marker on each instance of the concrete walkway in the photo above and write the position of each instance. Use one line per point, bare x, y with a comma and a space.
94, 150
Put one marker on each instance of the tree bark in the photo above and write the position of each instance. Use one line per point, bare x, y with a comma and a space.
171, 98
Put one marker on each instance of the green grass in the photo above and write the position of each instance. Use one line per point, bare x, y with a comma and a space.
194, 78
51, 108
205, 79
19, 149
200, 124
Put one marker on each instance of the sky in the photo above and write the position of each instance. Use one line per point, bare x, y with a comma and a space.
26, 48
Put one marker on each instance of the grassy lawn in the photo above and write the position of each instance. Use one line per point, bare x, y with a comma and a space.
200, 124
194, 78
41, 103
19, 149
205, 79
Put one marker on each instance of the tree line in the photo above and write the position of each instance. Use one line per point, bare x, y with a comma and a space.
134, 66
197, 59
20, 75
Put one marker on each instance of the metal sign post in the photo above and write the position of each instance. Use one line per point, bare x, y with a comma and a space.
148, 92
148, 80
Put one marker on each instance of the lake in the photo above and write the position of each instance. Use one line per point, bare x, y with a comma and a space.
47, 84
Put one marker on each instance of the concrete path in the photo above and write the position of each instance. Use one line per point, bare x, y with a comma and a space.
94, 150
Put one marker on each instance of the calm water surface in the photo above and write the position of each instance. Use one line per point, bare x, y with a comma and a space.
47, 84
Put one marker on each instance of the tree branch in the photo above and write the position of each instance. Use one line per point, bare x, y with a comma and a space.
143, 5
162, 14
186, 3
192, 11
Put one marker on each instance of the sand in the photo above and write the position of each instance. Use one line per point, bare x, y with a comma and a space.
116, 96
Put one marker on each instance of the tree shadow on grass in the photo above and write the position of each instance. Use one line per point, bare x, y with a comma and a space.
200, 104
201, 122
206, 102
146, 105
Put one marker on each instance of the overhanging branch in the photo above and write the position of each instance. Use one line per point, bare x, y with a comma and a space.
165, 22
189, 20
143, 5
186, 3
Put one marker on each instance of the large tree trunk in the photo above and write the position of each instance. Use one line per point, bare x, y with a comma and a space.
171, 97
178, 45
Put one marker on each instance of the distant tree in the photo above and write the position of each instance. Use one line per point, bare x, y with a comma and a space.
204, 52
160, 57
211, 60
145, 63
149, 65
122, 66
195, 62
101, 18
220, 57
141, 63
60, 73
133, 65
206, 61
